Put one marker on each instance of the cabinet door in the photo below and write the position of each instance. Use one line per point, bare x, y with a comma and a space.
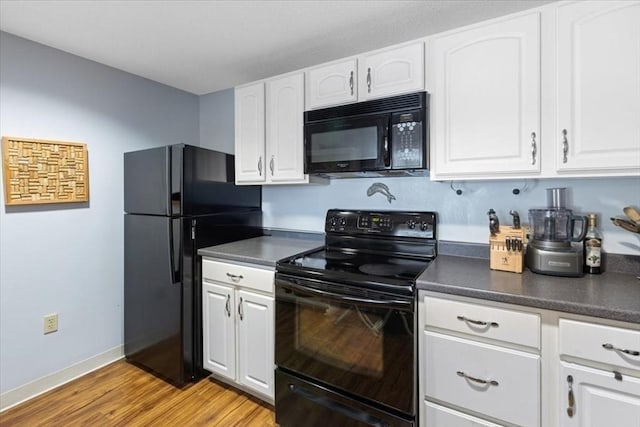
599, 399
250, 134
331, 85
255, 342
598, 78
285, 137
219, 340
391, 72
486, 100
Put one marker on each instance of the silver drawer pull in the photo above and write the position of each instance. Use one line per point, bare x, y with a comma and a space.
621, 350
235, 277
477, 380
478, 322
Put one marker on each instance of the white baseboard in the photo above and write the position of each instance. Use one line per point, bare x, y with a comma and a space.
41, 385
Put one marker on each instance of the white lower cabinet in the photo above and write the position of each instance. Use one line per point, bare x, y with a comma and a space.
255, 341
599, 375
238, 326
484, 363
479, 365
594, 397
219, 329
500, 382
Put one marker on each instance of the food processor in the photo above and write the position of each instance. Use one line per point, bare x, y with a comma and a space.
555, 246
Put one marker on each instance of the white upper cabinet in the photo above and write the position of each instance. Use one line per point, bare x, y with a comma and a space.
391, 72
598, 87
381, 73
332, 84
285, 137
269, 146
486, 100
250, 134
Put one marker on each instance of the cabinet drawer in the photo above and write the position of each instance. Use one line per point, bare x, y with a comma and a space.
599, 343
500, 324
238, 275
455, 367
437, 415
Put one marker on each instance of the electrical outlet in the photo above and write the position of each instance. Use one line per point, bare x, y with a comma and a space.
50, 323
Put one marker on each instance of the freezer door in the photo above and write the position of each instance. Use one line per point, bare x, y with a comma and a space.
154, 333
183, 180
208, 185
147, 181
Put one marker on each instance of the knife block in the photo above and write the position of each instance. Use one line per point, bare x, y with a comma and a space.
507, 259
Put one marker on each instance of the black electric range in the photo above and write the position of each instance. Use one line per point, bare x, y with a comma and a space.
346, 348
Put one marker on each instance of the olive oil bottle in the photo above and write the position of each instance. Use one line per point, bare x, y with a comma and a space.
592, 247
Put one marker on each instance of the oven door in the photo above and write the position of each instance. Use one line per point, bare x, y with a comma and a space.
351, 144
353, 340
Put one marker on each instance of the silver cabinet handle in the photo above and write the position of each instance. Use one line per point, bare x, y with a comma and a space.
227, 306
240, 310
351, 82
534, 148
235, 277
571, 400
260, 165
271, 165
477, 380
565, 146
478, 322
369, 79
621, 350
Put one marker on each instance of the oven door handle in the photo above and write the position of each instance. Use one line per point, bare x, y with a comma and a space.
390, 303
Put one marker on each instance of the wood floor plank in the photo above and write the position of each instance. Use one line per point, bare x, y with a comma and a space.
121, 394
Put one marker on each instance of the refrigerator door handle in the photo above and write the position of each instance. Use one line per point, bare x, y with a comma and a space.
175, 273
167, 177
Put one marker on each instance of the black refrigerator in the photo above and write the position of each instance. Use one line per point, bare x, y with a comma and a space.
177, 199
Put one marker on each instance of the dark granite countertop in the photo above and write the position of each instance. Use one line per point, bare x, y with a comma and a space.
264, 250
613, 296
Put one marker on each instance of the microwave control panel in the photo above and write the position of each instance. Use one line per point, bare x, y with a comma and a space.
407, 141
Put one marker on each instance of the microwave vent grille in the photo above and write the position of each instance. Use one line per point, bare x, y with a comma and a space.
406, 102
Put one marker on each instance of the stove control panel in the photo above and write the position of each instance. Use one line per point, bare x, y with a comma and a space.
383, 223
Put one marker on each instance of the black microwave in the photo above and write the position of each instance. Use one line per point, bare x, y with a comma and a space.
388, 135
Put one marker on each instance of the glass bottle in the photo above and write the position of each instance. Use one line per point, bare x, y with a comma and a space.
592, 246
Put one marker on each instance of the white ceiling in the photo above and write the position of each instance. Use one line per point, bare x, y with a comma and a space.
204, 46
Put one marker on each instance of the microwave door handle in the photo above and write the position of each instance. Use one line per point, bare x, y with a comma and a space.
387, 157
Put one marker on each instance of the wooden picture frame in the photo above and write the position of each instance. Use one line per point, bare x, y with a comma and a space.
38, 171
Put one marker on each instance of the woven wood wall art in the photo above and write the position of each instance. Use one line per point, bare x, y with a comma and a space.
40, 171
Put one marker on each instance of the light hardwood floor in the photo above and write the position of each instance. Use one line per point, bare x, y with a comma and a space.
121, 394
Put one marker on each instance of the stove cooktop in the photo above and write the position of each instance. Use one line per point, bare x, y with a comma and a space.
385, 250
359, 263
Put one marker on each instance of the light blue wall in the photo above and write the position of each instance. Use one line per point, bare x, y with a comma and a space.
69, 258
216, 121
461, 218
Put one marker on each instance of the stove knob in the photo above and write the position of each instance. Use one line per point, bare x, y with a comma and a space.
424, 226
343, 221
411, 224
333, 221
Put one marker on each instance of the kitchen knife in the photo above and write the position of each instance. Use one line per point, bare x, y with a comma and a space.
516, 219
494, 223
